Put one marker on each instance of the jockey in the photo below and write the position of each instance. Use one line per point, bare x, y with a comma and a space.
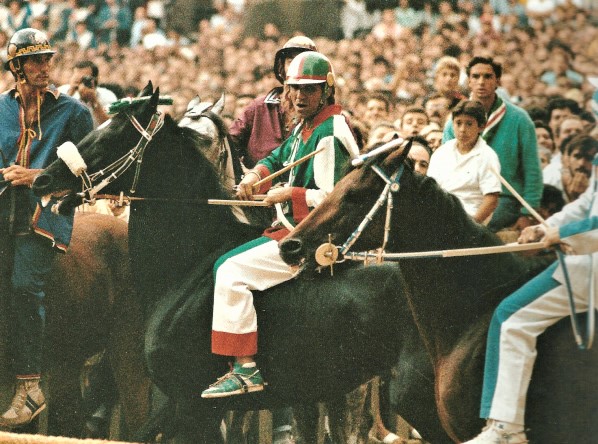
267, 121
262, 126
257, 265
35, 120
524, 315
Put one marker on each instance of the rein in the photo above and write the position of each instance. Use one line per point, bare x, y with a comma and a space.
328, 254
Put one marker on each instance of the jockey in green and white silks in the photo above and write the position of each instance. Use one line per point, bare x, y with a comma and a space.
257, 265
524, 315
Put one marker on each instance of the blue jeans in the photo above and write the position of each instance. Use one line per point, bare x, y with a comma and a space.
25, 263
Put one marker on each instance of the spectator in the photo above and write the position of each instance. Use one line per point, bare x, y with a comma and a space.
377, 110
387, 28
152, 35
544, 136
420, 154
379, 133
381, 77
83, 86
17, 17
138, 26
414, 119
113, 23
446, 79
81, 36
355, 18
433, 136
579, 150
466, 166
510, 132
560, 68
438, 107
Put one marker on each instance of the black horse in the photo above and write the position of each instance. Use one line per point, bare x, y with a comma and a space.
452, 300
319, 338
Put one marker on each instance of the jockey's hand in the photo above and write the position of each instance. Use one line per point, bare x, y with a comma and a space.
19, 175
279, 195
245, 188
532, 234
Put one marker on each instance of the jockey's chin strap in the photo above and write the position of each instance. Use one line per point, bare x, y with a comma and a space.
72, 158
327, 254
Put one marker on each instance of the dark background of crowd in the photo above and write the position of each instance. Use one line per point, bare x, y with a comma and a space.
206, 47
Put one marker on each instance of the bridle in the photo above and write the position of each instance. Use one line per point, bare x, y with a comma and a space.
93, 183
328, 254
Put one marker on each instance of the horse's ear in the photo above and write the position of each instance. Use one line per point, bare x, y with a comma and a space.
407, 148
149, 88
395, 158
153, 103
219, 105
193, 103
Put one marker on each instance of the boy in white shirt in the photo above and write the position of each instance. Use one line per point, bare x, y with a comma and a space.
465, 166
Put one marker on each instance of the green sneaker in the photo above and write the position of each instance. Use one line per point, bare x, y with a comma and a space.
238, 381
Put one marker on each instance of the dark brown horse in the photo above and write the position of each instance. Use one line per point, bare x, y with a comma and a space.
452, 299
90, 307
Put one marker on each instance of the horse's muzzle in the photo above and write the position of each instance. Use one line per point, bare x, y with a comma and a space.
292, 251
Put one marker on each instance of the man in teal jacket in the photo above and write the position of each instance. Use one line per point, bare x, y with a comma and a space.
511, 133
257, 265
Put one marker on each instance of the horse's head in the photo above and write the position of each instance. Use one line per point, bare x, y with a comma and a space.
101, 155
345, 208
204, 118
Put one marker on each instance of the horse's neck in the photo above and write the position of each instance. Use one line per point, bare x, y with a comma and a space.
449, 296
181, 235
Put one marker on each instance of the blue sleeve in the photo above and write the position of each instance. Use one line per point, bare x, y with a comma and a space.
81, 125
579, 226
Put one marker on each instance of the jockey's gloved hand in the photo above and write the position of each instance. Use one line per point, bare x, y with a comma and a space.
245, 188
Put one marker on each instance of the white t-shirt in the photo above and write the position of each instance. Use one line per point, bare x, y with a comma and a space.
468, 176
552, 173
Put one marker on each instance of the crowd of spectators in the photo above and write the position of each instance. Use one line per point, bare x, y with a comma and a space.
544, 51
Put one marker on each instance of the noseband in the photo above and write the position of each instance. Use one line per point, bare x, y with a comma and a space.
72, 158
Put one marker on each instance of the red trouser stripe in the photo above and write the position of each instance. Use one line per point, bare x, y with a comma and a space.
232, 344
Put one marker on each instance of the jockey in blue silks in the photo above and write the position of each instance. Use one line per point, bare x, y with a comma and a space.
35, 119
524, 315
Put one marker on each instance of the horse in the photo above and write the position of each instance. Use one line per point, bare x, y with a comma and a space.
91, 307
452, 299
315, 334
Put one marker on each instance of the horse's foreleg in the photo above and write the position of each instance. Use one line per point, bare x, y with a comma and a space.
126, 359
308, 421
